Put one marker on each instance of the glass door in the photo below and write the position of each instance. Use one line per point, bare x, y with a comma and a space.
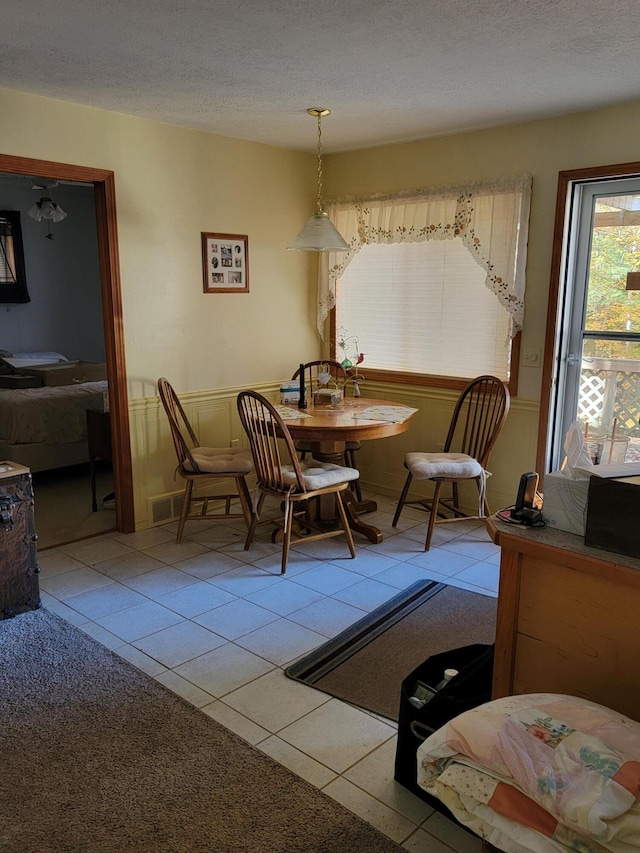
598, 380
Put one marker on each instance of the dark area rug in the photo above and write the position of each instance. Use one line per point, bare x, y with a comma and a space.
96, 756
366, 664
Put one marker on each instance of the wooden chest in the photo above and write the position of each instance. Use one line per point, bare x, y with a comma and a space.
19, 588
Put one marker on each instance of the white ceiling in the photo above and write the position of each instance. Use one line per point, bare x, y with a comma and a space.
390, 70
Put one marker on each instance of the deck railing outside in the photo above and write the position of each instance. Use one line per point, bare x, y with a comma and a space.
610, 390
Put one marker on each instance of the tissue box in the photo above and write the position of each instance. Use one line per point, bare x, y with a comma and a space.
290, 391
613, 513
565, 502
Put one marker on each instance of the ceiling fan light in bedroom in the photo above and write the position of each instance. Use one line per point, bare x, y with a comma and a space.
48, 210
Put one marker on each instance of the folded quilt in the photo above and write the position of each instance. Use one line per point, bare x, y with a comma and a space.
540, 772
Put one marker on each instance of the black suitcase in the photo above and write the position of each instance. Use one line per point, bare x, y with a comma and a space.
19, 588
468, 689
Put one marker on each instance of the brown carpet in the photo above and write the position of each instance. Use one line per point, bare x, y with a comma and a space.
366, 664
98, 757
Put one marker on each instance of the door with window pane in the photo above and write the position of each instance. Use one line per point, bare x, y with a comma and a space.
598, 382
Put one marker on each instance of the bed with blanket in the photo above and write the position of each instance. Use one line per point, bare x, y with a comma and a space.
46, 427
539, 772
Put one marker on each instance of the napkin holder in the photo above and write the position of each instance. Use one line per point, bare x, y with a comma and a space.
328, 396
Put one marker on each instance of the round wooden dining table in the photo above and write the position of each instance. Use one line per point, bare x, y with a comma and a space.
328, 428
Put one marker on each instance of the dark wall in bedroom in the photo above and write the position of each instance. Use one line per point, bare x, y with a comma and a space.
63, 277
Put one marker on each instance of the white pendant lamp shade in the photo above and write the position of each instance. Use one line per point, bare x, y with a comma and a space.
319, 233
47, 209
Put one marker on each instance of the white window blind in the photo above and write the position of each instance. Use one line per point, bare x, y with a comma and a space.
424, 308
7, 260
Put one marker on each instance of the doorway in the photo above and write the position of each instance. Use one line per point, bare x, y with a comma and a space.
104, 191
592, 356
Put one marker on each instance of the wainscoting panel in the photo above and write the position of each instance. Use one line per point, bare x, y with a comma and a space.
213, 414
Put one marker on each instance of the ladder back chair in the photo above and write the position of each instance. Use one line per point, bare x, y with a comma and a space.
476, 423
292, 481
197, 463
340, 376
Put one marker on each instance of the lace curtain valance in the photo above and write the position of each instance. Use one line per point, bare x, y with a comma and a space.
492, 219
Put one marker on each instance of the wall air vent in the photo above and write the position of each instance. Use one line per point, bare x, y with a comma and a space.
166, 508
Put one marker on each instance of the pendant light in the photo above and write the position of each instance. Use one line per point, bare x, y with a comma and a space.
319, 234
46, 208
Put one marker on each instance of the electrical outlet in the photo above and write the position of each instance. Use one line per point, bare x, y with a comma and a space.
235, 442
531, 356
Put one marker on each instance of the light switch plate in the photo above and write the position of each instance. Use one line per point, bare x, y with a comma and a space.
531, 356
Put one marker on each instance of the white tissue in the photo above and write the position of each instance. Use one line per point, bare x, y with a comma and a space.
577, 463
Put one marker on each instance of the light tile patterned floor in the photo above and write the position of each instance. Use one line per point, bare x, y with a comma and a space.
218, 625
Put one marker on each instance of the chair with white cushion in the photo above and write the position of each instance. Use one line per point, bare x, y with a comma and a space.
292, 481
339, 377
478, 418
197, 463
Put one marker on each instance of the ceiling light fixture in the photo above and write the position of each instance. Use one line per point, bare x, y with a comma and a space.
319, 233
47, 208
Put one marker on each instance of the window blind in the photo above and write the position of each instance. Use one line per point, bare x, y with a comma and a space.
424, 308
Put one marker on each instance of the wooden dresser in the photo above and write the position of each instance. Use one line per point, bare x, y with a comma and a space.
567, 618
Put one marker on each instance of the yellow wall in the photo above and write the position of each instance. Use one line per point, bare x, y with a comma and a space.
541, 148
173, 183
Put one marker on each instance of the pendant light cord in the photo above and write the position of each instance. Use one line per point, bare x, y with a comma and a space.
320, 205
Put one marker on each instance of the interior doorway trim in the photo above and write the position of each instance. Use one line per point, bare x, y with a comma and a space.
556, 287
105, 200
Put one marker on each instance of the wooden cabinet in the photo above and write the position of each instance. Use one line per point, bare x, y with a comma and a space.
567, 618
19, 588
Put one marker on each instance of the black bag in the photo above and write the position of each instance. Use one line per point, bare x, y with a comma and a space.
468, 689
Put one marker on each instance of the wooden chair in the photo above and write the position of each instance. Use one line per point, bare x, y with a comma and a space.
197, 463
339, 375
292, 481
478, 418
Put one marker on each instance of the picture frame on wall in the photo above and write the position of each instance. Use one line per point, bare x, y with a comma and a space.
225, 263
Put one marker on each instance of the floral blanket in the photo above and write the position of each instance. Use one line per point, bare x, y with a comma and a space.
540, 772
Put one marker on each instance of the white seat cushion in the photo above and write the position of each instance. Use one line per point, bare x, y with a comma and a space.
429, 466
222, 460
319, 475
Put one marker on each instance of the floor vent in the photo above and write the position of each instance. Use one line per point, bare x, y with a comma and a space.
166, 509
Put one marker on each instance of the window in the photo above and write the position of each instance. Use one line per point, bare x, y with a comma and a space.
13, 283
411, 302
597, 366
433, 282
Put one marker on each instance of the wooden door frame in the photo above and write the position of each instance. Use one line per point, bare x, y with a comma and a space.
565, 181
105, 201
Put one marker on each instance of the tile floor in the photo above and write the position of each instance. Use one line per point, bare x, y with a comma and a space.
218, 625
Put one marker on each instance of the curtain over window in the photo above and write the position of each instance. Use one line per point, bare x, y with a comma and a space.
491, 219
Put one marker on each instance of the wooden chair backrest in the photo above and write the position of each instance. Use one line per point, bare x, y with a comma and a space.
478, 418
184, 438
270, 441
312, 368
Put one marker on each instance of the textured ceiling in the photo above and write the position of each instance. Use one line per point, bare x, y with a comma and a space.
390, 70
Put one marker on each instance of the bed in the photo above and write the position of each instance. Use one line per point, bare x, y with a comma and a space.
539, 772
553, 762
46, 427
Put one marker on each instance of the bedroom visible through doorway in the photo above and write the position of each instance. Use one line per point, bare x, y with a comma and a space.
61, 325
103, 215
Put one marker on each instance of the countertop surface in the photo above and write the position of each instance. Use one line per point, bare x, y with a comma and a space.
560, 539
